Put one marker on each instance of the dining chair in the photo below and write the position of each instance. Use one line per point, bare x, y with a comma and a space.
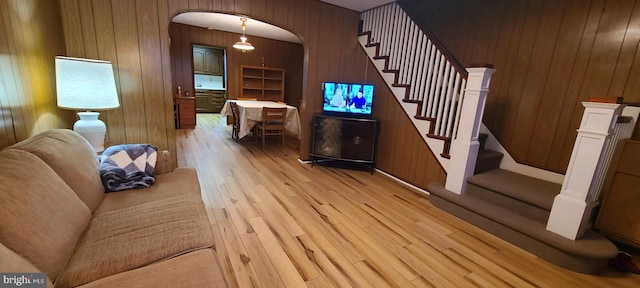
247, 98
272, 124
235, 112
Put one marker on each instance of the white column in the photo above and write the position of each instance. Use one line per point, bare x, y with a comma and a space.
572, 208
465, 145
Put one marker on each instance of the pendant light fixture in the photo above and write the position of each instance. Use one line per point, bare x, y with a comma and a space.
243, 44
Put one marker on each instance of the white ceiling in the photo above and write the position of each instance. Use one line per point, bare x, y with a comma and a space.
231, 23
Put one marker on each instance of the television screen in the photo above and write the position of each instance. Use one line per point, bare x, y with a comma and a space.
347, 98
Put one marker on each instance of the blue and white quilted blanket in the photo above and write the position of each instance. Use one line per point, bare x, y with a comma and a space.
129, 166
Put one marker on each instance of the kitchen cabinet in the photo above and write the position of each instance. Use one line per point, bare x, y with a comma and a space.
209, 101
207, 60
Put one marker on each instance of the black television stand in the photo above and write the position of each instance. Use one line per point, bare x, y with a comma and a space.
337, 138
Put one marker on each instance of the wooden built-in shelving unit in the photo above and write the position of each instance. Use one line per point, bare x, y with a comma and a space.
262, 83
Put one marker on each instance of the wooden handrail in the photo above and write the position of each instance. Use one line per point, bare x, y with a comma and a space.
447, 55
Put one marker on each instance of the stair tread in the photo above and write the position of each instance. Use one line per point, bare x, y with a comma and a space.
530, 190
592, 244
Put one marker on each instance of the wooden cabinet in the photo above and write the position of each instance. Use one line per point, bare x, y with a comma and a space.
186, 116
262, 83
345, 139
207, 60
209, 101
619, 215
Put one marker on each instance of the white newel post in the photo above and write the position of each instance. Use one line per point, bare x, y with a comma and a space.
572, 208
465, 146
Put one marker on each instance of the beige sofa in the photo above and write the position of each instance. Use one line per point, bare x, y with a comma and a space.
55, 218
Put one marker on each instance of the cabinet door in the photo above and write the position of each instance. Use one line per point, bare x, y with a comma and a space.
198, 60
327, 138
203, 102
186, 112
212, 62
217, 101
358, 140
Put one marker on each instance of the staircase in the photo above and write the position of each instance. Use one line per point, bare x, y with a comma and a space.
516, 208
431, 88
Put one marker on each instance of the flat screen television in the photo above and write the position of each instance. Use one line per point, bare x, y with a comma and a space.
347, 99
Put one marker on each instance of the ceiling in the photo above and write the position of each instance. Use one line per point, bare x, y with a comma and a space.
231, 23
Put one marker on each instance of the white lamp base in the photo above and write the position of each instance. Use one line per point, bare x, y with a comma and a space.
92, 129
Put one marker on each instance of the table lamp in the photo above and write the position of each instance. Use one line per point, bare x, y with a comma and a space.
87, 84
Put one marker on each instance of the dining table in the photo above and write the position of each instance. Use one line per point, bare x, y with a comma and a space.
250, 113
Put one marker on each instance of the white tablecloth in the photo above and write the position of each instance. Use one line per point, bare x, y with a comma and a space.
251, 114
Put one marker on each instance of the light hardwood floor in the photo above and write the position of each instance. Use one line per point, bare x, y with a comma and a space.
281, 223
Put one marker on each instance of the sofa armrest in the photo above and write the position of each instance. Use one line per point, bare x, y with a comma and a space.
163, 164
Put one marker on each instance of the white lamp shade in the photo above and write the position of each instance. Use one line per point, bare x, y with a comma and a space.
85, 84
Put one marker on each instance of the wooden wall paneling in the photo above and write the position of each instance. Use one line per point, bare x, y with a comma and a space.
315, 67
167, 76
607, 48
147, 16
631, 91
269, 11
105, 36
602, 63
564, 130
557, 86
498, 8
128, 55
522, 66
216, 5
21, 72
42, 66
298, 16
205, 5
280, 15
243, 7
388, 132
227, 6
503, 99
258, 9
505, 32
193, 5
88, 29
628, 53
31, 37
91, 48
177, 6
71, 21
7, 136
536, 78
7, 84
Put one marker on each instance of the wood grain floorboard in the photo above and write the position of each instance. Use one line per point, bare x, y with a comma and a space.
278, 222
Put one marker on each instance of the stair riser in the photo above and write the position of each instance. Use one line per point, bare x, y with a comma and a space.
533, 212
561, 258
483, 165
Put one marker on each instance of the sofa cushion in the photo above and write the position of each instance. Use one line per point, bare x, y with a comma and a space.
14, 262
194, 269
128, 238
41, 217
181, 181
73, 158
